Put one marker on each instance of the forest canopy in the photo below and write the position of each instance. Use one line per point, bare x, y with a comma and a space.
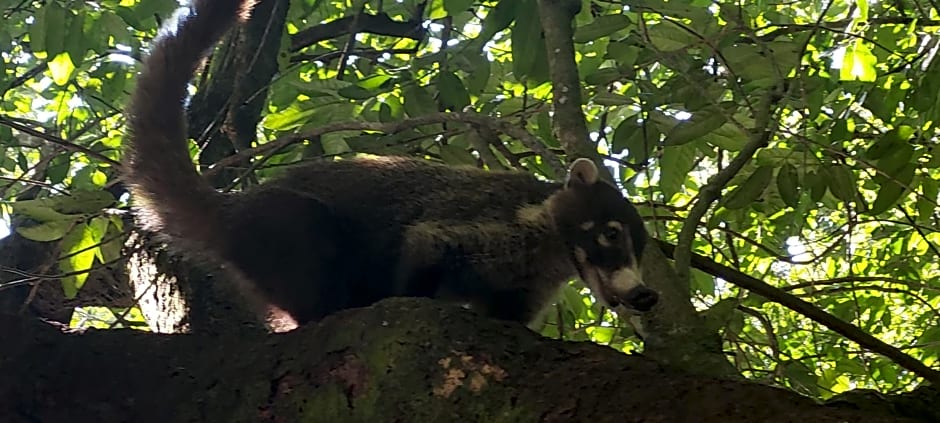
785, 155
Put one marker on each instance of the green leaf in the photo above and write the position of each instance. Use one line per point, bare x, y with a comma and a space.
701, 123
499, 18
934, 161
456, 155
891, 191
600, 334
702, 282
842, 183
56, 28
788, 185
863, 14
418, 101
931, 189
930, 336
627, 129
80, 250
37, 211
603, 76
801, 377
748, 61
391, 109
99, 228
57, 207
454, 95
478, 72
454, 7
37, 32
374, 82
818, 185
624, 53
544, 129
751, 190
601, 26
896, 159
718, 315
667, 36
858, 63
75, 44
111, 23
47, 231
676, 163
526, 42
287, 119
112, 249
61, 68
355, 92
889, 142
728, 137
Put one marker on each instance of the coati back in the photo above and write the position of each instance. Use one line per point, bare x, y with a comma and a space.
335, 234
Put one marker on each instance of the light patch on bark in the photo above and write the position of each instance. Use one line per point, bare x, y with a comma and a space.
479, 372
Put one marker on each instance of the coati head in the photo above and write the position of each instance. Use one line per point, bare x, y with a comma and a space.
605, 236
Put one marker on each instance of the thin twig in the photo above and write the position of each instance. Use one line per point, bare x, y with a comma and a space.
57, 140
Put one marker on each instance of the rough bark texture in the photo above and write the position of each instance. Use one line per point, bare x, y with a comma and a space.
675, 334
401, 360
166, 287
568, 123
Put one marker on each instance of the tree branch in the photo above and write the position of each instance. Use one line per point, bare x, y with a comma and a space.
409, 360
568, 121
380, 24
712, 190
812, 312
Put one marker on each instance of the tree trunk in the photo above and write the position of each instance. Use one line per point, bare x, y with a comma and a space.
399, 360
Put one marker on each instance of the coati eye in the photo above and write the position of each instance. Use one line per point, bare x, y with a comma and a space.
611, 233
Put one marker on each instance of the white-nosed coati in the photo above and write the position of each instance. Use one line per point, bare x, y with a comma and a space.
336, 234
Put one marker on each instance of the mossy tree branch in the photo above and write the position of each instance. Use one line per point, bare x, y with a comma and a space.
409, 360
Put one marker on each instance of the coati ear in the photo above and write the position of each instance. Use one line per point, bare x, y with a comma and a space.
582, 172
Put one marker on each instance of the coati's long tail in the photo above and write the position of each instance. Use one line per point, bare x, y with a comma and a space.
171, 196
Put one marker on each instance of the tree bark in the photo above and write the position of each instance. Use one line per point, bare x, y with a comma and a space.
400, 360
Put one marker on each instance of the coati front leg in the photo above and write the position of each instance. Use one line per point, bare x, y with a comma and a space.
504, 270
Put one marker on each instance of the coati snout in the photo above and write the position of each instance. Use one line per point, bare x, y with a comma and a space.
606, 236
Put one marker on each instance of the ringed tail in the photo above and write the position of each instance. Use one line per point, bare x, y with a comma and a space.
170, 196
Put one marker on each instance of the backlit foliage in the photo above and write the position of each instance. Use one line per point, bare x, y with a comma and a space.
838, 208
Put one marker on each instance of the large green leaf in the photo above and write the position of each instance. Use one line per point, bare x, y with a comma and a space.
788, 185
677, 161
751, 190
453, 93
700, 124
601, 26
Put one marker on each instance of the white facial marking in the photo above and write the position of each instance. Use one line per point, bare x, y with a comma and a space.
586, 226
625, 279
615, 224
602, 240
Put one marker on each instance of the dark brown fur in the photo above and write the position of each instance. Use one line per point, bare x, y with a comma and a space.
337, 234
